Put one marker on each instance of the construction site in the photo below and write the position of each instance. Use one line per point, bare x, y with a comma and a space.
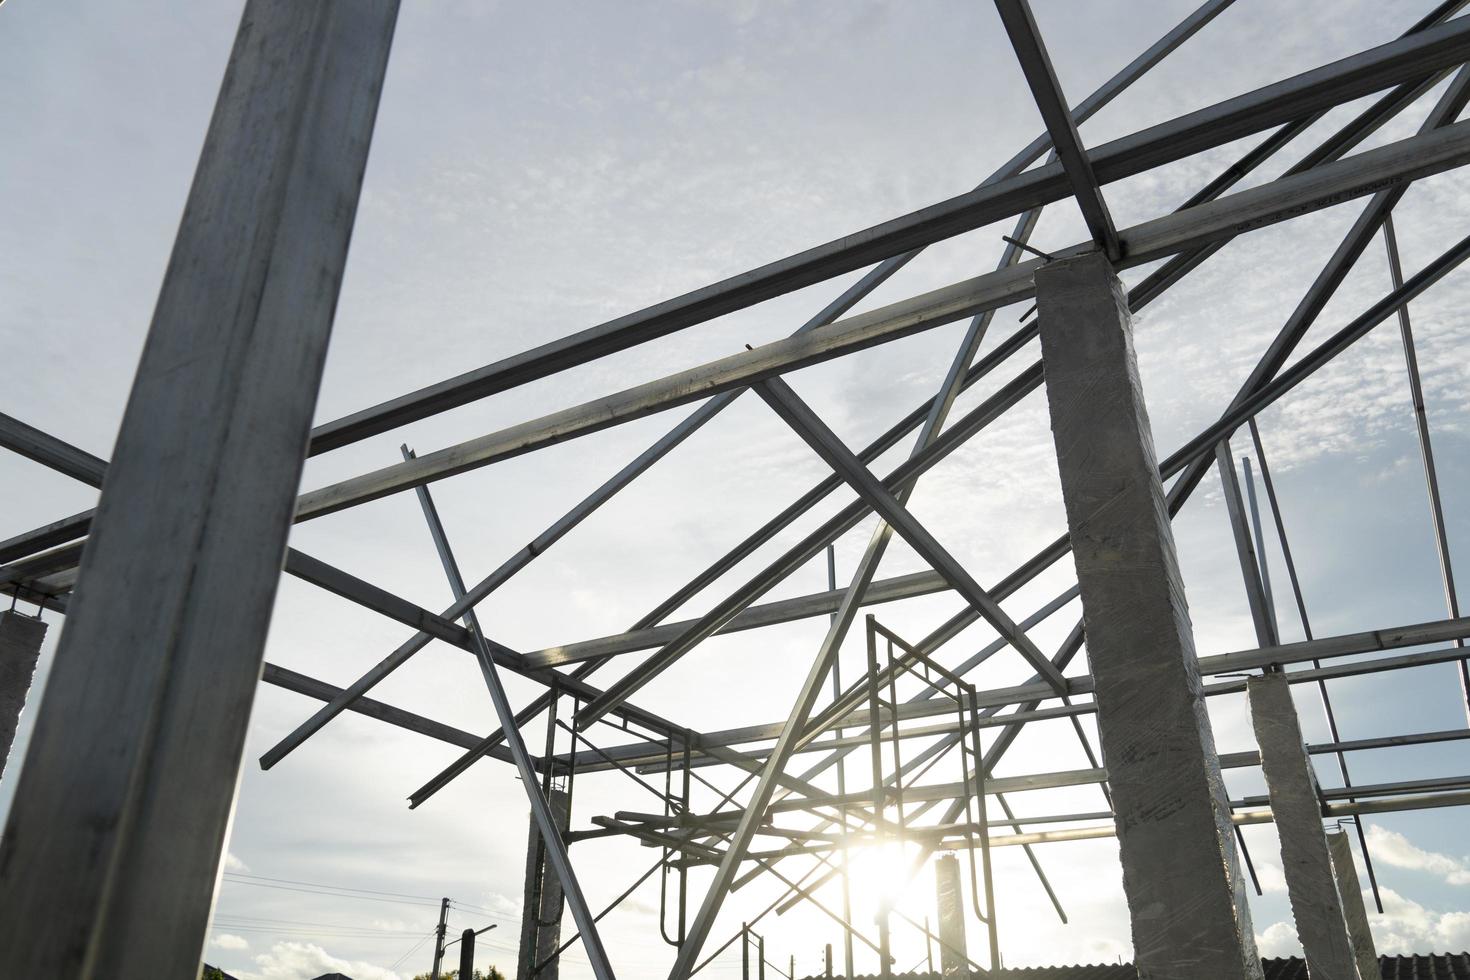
733, 685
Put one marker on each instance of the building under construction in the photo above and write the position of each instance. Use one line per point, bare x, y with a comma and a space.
163, 593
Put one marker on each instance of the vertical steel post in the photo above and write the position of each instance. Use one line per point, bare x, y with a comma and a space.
110, 860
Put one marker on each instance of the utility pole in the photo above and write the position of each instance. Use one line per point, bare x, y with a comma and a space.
467, 955
467, 952
439, 938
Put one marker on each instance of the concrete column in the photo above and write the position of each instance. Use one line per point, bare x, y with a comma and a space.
1351, 893
1186, 895
110, 859
953, 953
20, 648
1297, 809
542, 904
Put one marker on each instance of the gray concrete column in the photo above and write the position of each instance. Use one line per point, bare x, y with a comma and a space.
20, 648
1186, 895
111, 855
541, 906
1297, 810
953, 952
1353, 909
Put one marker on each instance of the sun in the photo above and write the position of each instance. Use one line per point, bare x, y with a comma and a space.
882, 876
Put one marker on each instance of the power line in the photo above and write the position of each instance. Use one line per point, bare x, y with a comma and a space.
340, 888
331, 893
412, 949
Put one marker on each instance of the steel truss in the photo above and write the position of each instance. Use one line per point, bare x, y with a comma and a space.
751, 772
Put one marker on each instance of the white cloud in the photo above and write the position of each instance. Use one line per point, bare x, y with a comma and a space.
226, 940
233, 863
1408, 927
1279, 940
1397, 850
1271, 877
303, 961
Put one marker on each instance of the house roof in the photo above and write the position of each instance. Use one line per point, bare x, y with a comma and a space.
1448, 966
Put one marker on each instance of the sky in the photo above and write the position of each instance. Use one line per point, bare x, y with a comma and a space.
538, 169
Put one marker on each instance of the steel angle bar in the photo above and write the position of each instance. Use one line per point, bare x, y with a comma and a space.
754, 617
299, 683
1245, 550
1260, 538
1426, 451
1036, 65
551, 839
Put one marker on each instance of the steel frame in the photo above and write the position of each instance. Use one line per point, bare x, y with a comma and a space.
41, 565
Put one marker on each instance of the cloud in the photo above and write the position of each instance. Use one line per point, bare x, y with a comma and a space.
1279, 940
1271, 877
1396, 849
303, 961
1408, 927
232, 863
226, 940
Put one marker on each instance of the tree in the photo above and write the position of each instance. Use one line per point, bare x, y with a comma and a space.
494, 974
